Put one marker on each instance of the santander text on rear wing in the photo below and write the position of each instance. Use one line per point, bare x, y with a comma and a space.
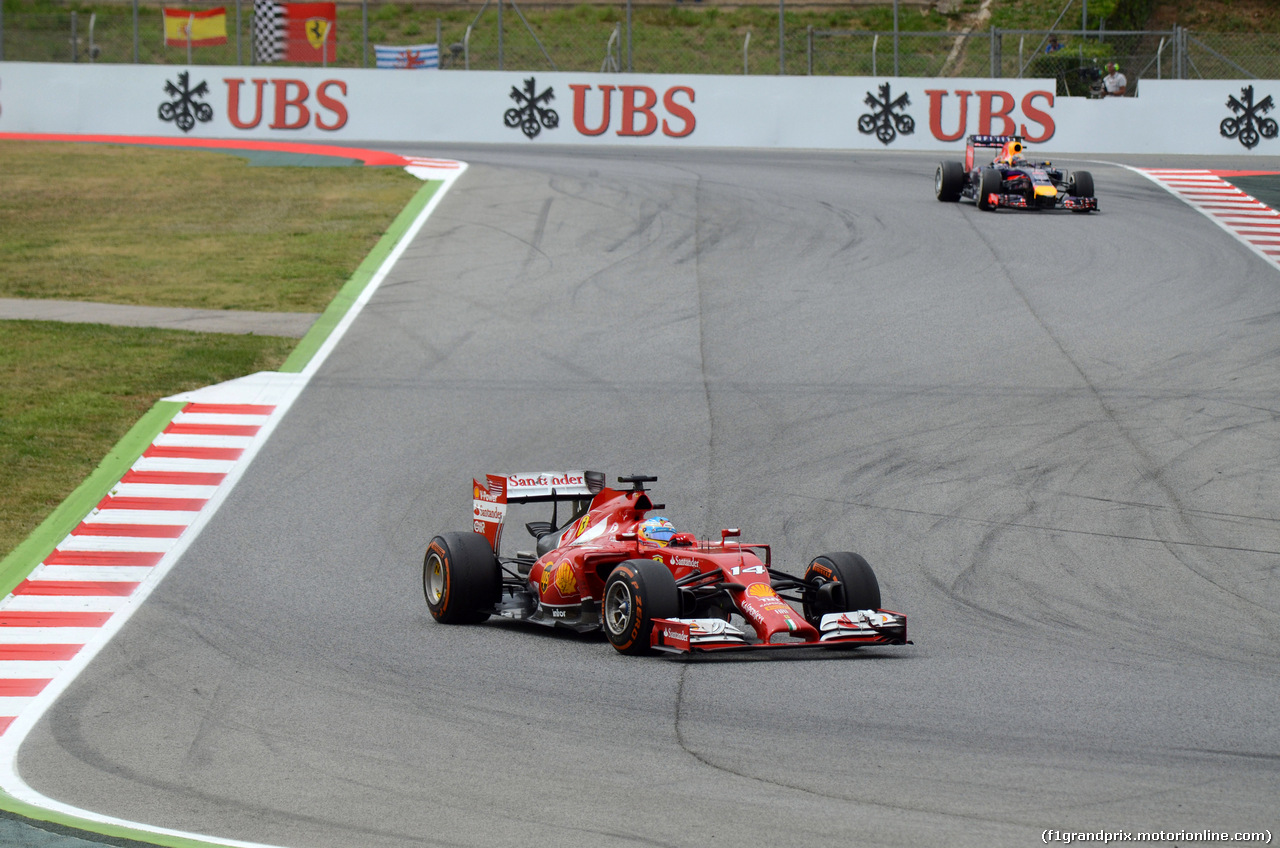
490, 498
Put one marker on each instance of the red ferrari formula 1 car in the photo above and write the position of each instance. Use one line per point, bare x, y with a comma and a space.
1011, 181
614, 567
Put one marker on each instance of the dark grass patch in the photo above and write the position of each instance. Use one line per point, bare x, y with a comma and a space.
70, 391
163, 227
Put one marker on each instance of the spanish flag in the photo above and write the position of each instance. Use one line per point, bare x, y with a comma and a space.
194, 27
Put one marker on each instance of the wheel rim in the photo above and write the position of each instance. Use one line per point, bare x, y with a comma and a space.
617, 607
937, 182
433, 579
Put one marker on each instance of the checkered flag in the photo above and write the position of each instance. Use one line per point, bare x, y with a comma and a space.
268, 31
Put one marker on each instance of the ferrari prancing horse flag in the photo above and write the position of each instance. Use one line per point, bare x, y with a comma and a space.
294, 32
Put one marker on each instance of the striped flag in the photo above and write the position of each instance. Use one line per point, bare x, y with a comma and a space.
268, 32
194, 27
413, 56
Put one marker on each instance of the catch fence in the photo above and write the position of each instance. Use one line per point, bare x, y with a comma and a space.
680, 39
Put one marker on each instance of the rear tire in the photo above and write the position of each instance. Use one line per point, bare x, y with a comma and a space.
1081, 184
989, 183
637, 592
847, 582
948, 182
460, 578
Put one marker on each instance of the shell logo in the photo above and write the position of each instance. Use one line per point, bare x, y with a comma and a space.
566, 582
761, 590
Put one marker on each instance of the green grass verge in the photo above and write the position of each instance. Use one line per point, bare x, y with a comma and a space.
347, 295
47, 828
163, 227
70, 392
18, 564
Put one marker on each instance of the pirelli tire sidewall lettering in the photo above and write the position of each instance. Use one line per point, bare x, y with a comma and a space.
439, 609
650, 594
635, 622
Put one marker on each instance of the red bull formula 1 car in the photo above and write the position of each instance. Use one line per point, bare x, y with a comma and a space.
1011, 181
612, 566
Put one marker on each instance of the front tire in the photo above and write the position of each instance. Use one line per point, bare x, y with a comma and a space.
948, 181
1081, 184
460, 578
637, 592
846, 582
989, 183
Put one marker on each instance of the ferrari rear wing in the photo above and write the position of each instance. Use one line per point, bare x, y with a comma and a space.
491, 497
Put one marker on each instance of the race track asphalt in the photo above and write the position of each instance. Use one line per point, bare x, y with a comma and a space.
1054, 436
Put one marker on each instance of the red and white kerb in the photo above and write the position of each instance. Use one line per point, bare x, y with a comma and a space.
1250, 220
94, 571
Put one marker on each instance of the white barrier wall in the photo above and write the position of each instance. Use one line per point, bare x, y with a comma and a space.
843, 113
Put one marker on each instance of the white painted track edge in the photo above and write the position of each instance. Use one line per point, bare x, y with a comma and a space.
11, 781
1222, 225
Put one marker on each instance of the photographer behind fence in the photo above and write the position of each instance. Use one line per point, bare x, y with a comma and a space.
1114, 83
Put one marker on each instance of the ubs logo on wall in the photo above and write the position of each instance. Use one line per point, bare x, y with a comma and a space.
183, 109
1248, 124
886, 120
530, 113
641, 110
280, 104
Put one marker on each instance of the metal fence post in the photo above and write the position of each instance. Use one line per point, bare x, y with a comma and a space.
364, 38
995, 52
1, 31
809, 49
895, 38
1186, 56
782, 39
630, 66
75, 40
1182, 53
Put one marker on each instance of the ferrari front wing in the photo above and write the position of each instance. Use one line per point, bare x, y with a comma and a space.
837, 629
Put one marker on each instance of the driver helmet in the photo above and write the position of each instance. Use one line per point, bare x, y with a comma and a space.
656, 531
1012, 152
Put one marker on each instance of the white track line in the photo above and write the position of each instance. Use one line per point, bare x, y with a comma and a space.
1247, 219
72, 604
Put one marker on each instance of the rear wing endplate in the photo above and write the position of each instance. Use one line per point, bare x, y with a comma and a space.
973, 142
490, 498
